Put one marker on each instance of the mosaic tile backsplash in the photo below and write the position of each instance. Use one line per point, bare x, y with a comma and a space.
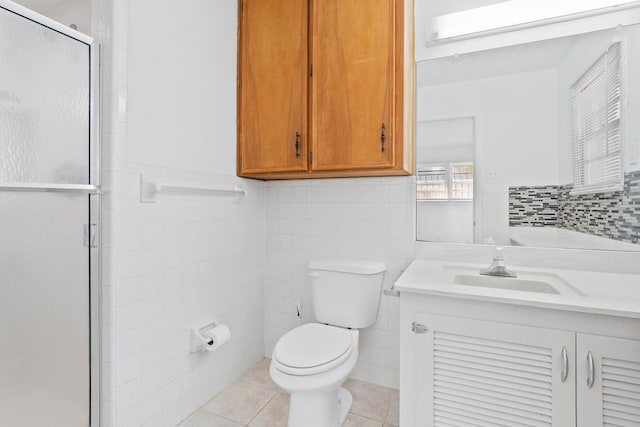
533, 206
613, 215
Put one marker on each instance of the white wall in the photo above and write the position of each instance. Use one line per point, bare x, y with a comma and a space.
169, 109
182, 84
448, 140
447, 222
367, 218
516, 141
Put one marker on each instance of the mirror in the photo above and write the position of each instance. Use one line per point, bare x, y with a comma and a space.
519, 145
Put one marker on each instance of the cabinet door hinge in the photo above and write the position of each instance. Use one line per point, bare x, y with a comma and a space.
418, 328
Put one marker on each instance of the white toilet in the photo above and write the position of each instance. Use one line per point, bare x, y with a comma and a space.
313, 360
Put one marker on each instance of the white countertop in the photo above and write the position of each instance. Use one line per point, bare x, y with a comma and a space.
552, 237
588, 292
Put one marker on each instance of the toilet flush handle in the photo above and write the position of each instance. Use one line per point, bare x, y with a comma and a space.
314, 274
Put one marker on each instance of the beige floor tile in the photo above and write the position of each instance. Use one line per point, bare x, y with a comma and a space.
240, 402
369, 400
358, 421
206, 419
393, 415
275, 414
259, 374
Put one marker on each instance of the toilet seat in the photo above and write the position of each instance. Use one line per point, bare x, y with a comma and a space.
312, 348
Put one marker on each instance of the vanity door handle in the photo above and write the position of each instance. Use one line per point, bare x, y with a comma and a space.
590, 378
565, 365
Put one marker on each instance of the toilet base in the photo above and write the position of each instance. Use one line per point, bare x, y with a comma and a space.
324, 409
345, 400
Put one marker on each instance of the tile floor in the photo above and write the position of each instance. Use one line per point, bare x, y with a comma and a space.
255, 401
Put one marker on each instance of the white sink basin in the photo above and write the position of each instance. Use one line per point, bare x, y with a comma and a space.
527, 281
513, 284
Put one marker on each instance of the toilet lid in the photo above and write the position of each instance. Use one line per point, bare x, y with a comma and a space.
312, 345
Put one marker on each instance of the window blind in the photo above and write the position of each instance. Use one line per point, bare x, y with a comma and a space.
597, 160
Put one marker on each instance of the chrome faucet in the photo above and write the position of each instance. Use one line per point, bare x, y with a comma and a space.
497, 267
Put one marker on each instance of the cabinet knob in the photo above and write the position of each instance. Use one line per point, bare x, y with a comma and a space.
297, 144
383, 138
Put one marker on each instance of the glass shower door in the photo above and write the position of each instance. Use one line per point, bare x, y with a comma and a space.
47, 200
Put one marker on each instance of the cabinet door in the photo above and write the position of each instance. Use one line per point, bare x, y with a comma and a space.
273, 80
353, 47
613, 398
493, 374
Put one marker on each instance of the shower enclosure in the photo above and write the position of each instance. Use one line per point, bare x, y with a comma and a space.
49, 215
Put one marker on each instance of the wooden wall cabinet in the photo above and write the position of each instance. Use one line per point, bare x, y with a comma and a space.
325, 88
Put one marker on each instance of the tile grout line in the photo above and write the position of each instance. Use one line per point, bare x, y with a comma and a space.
262, 408
210, 413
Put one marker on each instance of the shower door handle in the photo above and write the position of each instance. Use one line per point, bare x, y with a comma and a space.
91, 235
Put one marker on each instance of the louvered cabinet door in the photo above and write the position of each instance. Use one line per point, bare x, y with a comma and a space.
608, 381
477, 373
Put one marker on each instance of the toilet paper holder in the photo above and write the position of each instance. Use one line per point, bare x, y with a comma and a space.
199, 341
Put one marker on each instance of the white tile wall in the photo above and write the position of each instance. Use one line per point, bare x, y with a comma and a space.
180, 263
368, 218
176, 264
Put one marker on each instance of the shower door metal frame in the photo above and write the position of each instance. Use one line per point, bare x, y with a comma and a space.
93, 191
95, 217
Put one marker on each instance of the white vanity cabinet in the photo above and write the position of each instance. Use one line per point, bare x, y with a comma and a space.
469, 362
473, 372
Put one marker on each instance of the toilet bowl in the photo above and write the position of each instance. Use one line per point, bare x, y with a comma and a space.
312, 361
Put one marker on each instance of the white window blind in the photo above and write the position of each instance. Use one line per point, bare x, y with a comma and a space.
597, 160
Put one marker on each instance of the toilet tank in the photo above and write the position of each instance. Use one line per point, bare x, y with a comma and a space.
346, 292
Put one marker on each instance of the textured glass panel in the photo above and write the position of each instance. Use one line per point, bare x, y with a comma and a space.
44, 310
44, 104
